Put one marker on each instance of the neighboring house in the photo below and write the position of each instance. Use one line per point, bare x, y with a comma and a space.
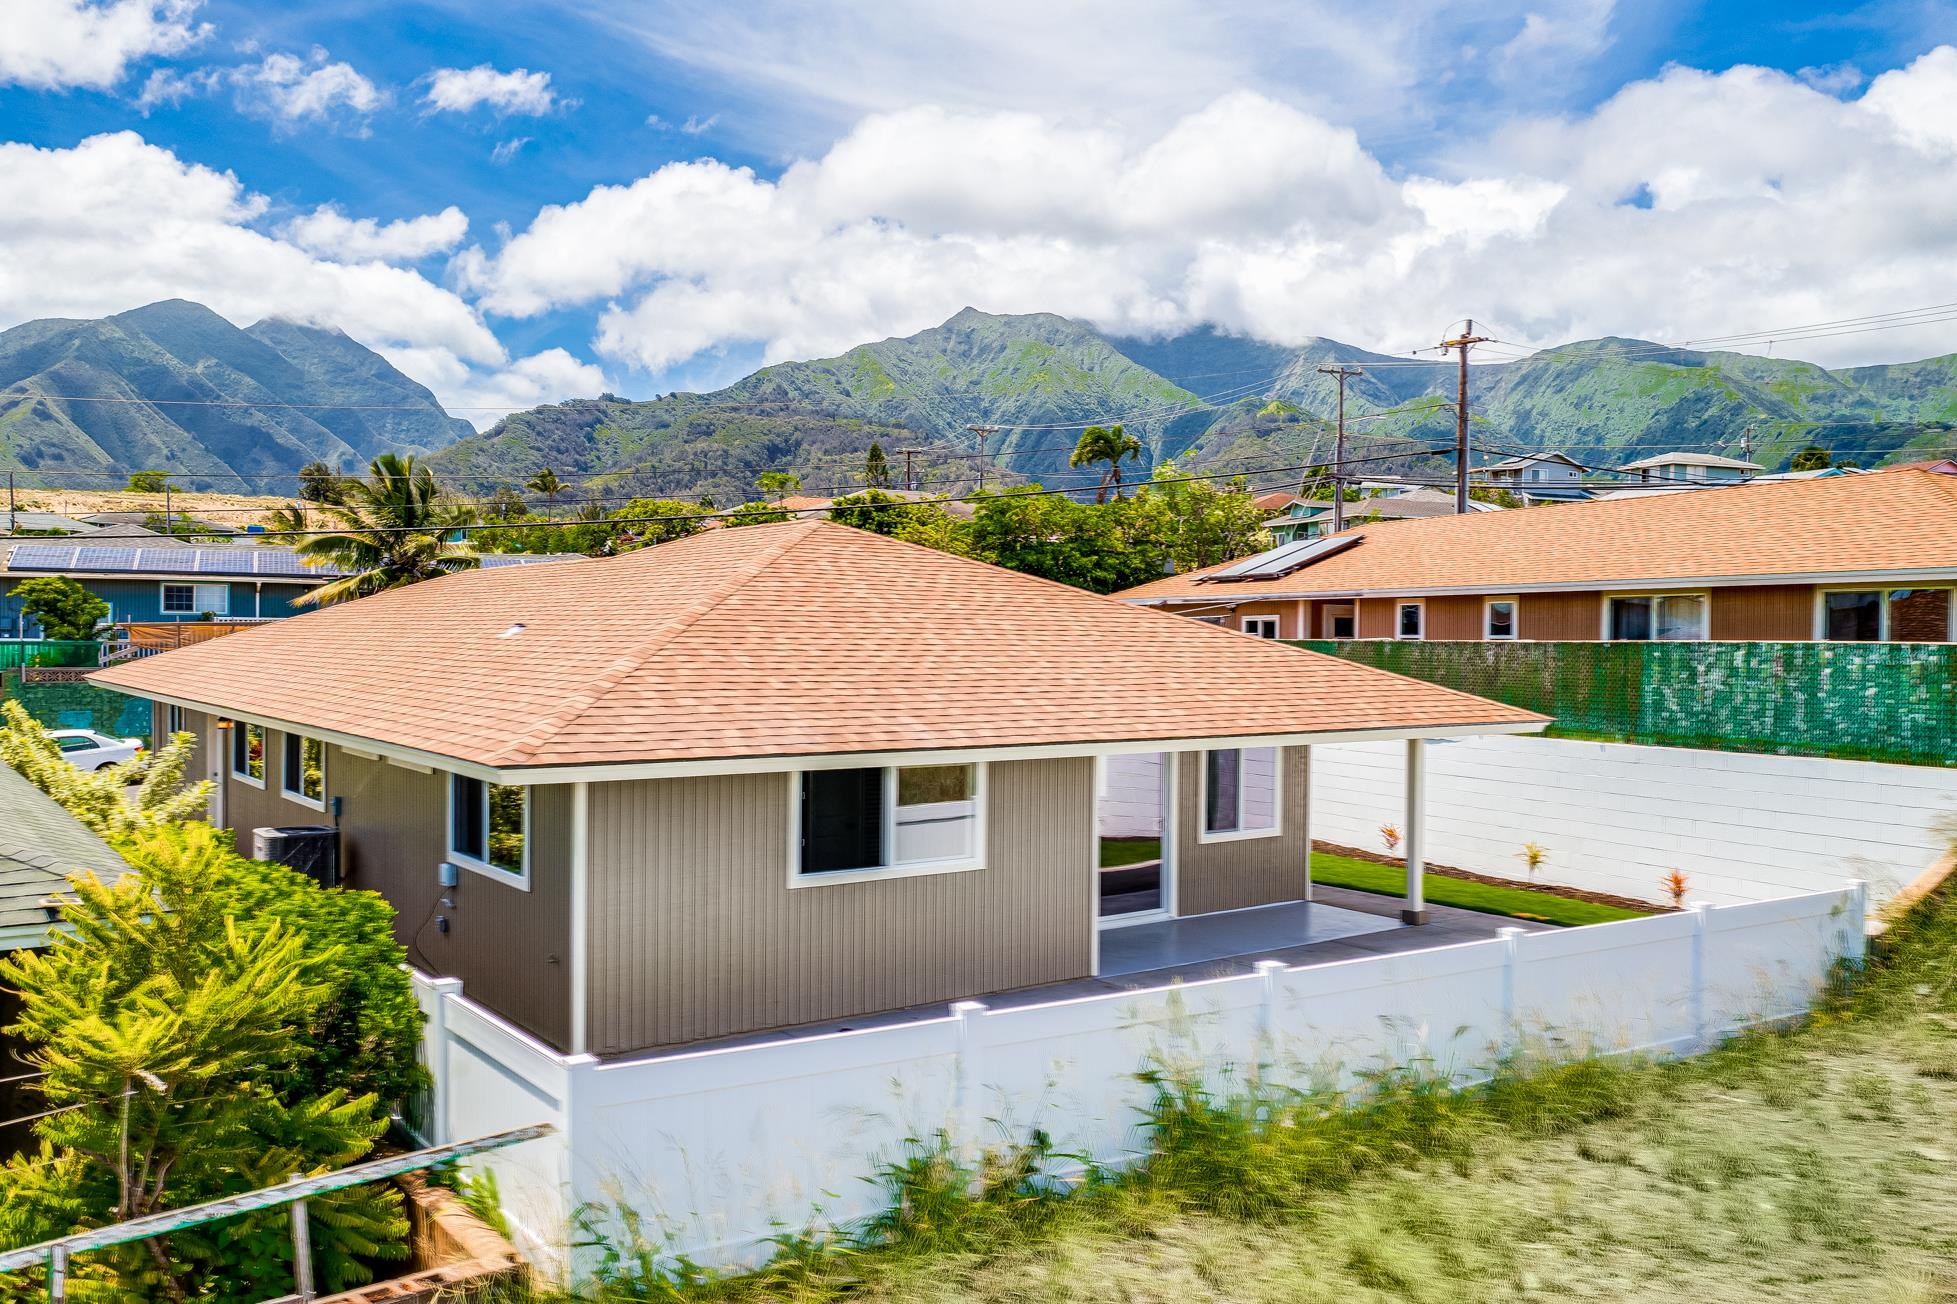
1855, 557
41, 845
1694, 468
1540, 477
41, 523
151, 580
1310, 518
630, 805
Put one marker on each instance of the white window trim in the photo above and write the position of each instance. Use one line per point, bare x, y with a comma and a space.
1276, 830
1705, 632
295, 795
1277, 626
1398, 605
195, 609
878, 873
1488, 620
241, 729
1821, 607
519, 881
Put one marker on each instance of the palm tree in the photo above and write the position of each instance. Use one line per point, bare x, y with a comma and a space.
393, 529
1105, 444
545, 482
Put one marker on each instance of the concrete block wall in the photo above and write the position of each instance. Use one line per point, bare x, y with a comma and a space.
1617, 818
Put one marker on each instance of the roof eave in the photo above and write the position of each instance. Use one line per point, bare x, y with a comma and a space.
513, 773
1935, 574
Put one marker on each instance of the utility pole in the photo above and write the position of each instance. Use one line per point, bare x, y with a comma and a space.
984, 432
13, 507
1462, 342
1344, 373
166, 507
910, 479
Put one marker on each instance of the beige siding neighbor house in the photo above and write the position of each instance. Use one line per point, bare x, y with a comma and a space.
769, 776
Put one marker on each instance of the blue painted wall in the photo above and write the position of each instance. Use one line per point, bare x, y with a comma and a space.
143, 600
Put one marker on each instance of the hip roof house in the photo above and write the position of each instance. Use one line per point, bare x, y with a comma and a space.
1857, 557
766, 776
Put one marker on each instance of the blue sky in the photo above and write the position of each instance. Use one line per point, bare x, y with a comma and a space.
647, 196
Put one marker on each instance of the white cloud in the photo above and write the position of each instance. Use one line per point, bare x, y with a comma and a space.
696, 125
327, 230
507, 150
56, 44
167, 86
458, 90
115, 222
1833, 78
290, 89
484, 396
1579, 30
1760, 201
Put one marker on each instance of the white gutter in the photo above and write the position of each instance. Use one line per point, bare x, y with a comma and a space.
1941, 574
782, 764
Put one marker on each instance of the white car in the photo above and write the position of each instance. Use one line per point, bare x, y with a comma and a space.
88, 750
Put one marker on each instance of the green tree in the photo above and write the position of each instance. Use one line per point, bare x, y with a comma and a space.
545, 482
61, 607
755, 514
1812, 458
172, 1022
778, 484
505, 504
148, 482
1205, 522
648, 521
876, 468
1105, 444
319, 483
1098, 547
393, 529
875, 510
99, 798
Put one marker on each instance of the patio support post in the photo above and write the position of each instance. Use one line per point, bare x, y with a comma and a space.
1415, 911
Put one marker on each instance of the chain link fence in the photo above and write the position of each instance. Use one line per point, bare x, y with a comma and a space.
1858, 701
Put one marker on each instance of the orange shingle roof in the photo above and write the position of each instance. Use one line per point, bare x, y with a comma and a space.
1852, 523
794, 639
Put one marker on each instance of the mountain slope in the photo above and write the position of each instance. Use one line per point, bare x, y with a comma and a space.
173, 386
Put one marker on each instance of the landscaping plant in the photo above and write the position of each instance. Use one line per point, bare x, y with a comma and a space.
192, 1041
1676, 886
1532, 855
99, 798
1389, 835
62, 608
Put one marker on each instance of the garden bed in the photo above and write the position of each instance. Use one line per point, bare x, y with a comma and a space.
1468, 875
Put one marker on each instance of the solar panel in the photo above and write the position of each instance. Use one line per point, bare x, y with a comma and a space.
1285, 559
105, 559
223, 561
41, 556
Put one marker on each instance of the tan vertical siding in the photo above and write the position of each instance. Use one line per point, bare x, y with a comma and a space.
1375, 617
1248, 871
1288, 614
695, 932
1763, 611
1454, 617
1560, 617
509, 947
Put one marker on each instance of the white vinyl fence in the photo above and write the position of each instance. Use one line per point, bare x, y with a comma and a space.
716, 1150
1617, 817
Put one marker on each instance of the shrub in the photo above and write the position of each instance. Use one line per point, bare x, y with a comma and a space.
61, 607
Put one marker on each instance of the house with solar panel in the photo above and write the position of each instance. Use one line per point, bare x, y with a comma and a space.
168, 582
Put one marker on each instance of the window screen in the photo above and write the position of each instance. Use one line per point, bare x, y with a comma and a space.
468, 825
1240, 790
1919, 615
179, 597
1501, 620
1410, 619
842, 820
1852, 617
304, 772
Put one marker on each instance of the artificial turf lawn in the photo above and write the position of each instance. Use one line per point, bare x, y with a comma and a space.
1129, 851
1515, 902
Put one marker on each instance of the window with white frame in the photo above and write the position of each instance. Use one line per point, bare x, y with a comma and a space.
1241, 793
248, 752
887, 820
303, 776
1498, 618
1410, 620
1663, 617
1262, 626
1893, 615
195, 599
489, 828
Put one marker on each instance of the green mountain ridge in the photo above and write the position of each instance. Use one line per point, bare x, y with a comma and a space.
1214, 402
175, 387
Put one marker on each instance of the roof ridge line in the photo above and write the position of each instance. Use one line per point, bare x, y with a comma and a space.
626, 662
